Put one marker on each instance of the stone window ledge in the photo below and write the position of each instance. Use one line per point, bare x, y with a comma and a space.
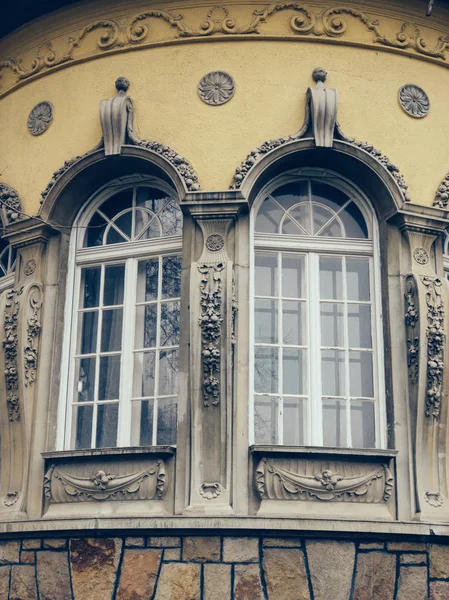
100, 452
322, 452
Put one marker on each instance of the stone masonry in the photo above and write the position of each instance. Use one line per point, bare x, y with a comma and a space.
221, 568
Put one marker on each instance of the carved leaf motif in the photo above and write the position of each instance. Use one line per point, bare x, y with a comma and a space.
10, 344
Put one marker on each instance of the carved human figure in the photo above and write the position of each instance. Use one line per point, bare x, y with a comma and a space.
321, 111
117, 119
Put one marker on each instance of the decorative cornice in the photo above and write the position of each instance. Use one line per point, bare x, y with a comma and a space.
331, 23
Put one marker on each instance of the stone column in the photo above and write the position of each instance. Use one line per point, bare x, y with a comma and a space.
426, 301
21, 311
212, 319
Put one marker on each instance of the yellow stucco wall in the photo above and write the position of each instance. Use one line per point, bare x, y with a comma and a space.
271, 77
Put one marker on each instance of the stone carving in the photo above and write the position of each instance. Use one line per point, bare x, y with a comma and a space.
435, 345
442, 194
117, 119
214, 242
10, 343
181, 164
210, 490
10, 205
210, 322
414, 101
216, 88
328, 23
40, 118
58, 174
63, 486
29, 268
33, 330
321, 112
435, 499
11, 498
420, 255
275, 482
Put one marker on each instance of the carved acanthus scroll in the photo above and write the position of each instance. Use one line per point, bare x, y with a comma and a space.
411, 321
435, 345
10, 347
275, 482
33, 330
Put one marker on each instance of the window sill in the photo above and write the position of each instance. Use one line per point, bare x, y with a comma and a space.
322, 452
64, 454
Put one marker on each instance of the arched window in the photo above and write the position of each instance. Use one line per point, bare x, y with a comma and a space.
7, 263
123, 373
317, 369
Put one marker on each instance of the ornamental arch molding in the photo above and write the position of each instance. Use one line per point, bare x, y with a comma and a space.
384, 186
81, 176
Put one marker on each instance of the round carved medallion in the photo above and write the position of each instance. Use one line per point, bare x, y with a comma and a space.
414, 100
216, 88
30, 267
214, 242
420, 255
40, 118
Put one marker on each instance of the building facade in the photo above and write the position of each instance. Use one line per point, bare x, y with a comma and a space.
224, 302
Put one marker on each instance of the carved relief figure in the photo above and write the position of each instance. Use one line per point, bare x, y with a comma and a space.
117, 119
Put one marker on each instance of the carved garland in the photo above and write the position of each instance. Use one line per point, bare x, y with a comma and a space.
326, 485
411, 320
103, 485
218, 20
256, 154
10, 343
435, 345
442, 194
210, 322
33, 329
10, 205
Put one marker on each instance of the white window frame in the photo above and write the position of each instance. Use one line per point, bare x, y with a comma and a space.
311, 247
127, 253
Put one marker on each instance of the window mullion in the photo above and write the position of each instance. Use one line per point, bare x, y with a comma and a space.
157, 351
127, 362
280, 353
315, 400
346, 353
69, 435
97, 359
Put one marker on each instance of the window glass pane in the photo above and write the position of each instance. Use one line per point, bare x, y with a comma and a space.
114, 284
107, 421
151, 198
146, 330
266, 321
168, 372
111, 330
171, 277
359, 325
109, 383
297, 221
142, 423
124, 223
294, 323
331, 280
170, 315
361, 374
117, 203
147, 280
294, 421
85, 379
94, 235
294, 372
147, 225
362, 425
266, 370
328, 195
293, 276
332, 322
357, 276
269, 217
171, 219
90, 284
166, 421
321, 216
115, 237
354, 222
291, 194
266, 415
334, 424
333, 373
89, 328
266, 274
144, 374
83, 428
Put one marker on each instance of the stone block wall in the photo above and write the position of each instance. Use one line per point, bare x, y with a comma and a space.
221, 568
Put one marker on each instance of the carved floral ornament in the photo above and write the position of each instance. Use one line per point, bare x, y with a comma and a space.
40, 118
331, 22
216, 88
414, 101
